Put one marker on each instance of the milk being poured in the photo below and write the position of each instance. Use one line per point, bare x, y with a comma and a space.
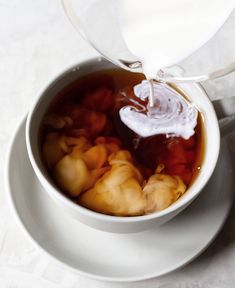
160, 34
164, 32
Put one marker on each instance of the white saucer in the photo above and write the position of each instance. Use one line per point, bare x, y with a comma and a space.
116, 257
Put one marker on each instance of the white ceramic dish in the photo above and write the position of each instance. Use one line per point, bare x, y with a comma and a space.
116, 257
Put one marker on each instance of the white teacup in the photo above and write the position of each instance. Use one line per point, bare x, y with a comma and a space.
106, 222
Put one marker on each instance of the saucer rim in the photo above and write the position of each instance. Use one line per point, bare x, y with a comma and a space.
17, 215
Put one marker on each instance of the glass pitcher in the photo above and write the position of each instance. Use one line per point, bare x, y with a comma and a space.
97, 22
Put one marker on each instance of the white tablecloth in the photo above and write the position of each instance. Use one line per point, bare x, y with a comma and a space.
36, 43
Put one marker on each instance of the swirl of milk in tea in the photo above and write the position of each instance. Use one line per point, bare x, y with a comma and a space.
171, 113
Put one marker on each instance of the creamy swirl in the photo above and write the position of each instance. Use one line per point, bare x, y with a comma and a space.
171, 114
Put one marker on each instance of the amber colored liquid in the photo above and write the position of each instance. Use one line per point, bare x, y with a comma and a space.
179, 157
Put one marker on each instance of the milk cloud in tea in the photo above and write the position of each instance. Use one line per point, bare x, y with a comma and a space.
171, 113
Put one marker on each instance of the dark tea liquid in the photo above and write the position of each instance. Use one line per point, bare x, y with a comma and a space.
175, 155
